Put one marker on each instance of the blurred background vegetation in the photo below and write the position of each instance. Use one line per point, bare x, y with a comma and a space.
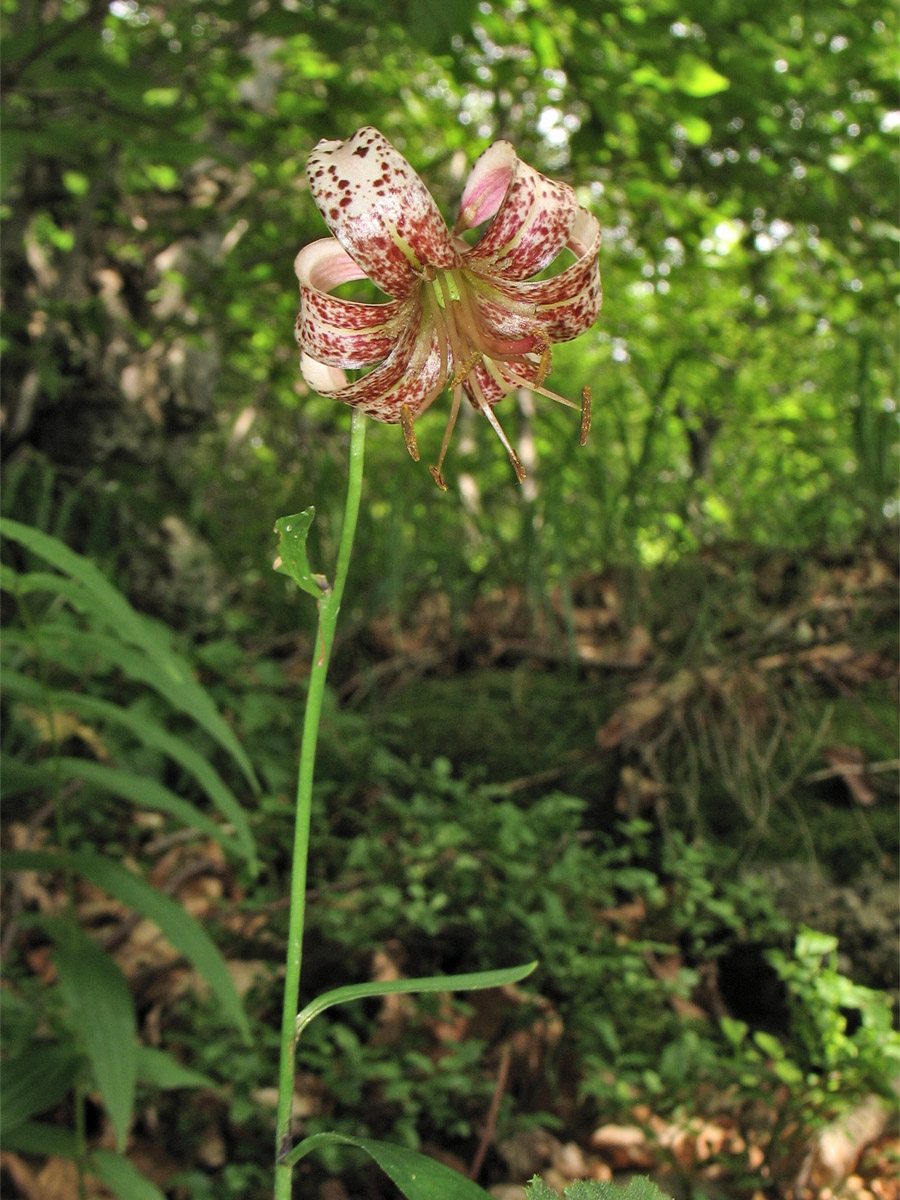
737, 497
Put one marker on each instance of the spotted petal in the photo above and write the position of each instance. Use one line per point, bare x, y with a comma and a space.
409, 376
532, 215
339, 332
379, 210
565, 305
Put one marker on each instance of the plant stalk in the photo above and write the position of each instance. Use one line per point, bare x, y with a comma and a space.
329, 608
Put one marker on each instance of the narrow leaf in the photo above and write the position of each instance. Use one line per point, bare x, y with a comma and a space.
144, 792
160, 1070
101, 1014
435, 983
34, 1081
292, 558
150, 734
100, 599
35, 1137
120, 1174
417, 1177
182, 930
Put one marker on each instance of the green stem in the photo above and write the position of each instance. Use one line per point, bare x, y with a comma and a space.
329, 607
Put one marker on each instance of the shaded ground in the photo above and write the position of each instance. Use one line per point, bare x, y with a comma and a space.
746, 703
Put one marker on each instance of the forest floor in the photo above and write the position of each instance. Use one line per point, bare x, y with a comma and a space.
748, 699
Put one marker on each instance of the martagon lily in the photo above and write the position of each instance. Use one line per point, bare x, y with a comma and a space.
465, 317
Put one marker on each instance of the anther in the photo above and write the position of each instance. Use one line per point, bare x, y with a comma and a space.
585, 414
462, 371
543, 367
409, 434
438, 478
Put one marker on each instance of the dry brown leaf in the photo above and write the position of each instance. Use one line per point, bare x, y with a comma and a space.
58, 727
849, 763
623, 1146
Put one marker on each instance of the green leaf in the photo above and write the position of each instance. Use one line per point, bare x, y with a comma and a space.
417, 1177
695, 77
164, 669
158, 1069
34, 1137
144, 792
34, 1081
182, 930
435, 983
152, 735
114, 1169
434, 23
123, 1177
292, 534
101, 1014
696, 130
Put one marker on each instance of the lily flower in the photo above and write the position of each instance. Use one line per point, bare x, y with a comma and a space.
465, 317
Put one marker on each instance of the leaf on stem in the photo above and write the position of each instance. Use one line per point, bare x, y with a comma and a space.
417, 1177
433, 983
292, 559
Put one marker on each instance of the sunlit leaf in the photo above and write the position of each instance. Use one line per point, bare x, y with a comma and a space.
695, 77
417, 1177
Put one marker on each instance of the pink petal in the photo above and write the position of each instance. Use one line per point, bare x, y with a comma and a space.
379, 210
492, 390
407, 376
342, 333
532, 215
566, 304
321, 378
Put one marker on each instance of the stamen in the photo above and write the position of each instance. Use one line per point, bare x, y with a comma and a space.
454, 413
544, 366
447, 315
532, 386
462, 370
476, 392
409, 434
585, 414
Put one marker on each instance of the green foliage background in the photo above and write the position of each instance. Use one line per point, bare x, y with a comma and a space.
740, 158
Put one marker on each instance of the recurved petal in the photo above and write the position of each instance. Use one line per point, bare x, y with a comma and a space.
379, 210
325, 380
409, 376
338, 332
532, 215
495, 384
566, 304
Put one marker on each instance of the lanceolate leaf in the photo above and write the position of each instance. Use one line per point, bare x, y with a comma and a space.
34, 1081
36, 1137
101, 1015
182, 930
160, 1070
417, 1177
123, 1177
151, 734
97, 597
145, 793
436, 983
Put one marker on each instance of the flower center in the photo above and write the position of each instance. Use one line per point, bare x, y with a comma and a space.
475, 361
